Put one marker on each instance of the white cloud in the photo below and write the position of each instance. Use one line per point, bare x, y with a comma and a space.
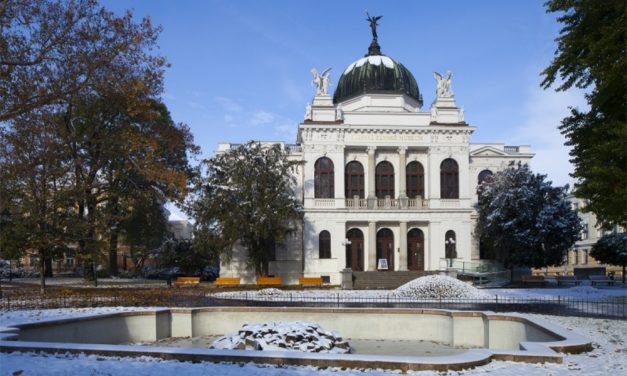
262, 117
229, 104
543, 113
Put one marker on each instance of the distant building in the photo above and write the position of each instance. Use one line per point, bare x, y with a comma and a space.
578, 258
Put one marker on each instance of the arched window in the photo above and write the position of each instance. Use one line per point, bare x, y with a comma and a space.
483, 175
384, 180
354, 180
415, 182
449, 179
324, 178
324, 245
450, 246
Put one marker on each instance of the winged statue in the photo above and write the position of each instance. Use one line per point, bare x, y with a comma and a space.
321, 81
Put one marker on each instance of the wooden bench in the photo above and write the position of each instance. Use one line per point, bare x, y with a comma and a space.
187, 281
601, 279
227, 281
311, 281
533, 280
567, 280
269, 281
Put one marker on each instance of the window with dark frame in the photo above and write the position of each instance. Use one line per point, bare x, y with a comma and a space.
449, 179
415, 180
484, 175
384, 180
324, 245
324, 178
354, 180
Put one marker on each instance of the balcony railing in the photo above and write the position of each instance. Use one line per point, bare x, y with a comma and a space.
356, 203
324, 203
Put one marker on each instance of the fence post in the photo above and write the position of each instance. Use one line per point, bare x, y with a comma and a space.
496, 299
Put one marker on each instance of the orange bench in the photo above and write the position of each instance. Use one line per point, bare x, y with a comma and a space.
269, 281
314, 281
187, 281
227, 281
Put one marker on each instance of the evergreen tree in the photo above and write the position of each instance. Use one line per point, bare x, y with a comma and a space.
523, 220
592, 53
611, 249
247, 198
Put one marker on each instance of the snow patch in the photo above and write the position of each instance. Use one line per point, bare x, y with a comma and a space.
439, 287
281, 336
373, 60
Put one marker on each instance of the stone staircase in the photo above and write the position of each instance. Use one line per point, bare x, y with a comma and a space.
385, 280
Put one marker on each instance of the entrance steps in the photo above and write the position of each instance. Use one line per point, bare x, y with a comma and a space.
387, 280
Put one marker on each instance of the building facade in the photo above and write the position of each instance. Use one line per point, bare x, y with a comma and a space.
578, 260
386, 186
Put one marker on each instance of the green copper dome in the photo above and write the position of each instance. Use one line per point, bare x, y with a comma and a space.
376, 73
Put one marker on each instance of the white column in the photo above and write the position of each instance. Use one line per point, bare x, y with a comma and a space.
402, 260
372, 246
402, 157
372, 199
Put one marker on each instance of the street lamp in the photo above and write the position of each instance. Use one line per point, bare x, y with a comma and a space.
5, 217
450, 249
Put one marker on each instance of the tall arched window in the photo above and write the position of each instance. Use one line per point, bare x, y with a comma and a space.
384, 180
483, 175
450, 246
324, 245
449, 179
354, 180
415, 180
324, 178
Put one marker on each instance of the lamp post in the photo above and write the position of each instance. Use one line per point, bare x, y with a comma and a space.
5, 217
450, 248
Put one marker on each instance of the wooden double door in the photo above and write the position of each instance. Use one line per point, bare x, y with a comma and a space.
415, 250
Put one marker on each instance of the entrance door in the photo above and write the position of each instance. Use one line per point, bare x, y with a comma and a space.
415, 250
385, 247
355, 250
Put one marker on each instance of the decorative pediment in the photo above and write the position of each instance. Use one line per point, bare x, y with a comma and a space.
488, 151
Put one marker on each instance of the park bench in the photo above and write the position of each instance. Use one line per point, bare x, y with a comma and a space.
310, 281
187, 281
533, 280
227, 281
567, 280
269, 281
601, 279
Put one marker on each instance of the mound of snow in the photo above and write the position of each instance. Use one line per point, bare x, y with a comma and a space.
270, 292
438, 287
281, 336
585, 290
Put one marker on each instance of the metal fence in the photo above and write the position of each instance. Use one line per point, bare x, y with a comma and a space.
563, 306
615, 308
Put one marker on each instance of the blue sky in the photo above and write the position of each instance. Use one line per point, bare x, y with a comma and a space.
241, 69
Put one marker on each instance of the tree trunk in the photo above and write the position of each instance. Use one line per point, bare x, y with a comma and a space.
113, 252
42, 271
623, 274
48, 267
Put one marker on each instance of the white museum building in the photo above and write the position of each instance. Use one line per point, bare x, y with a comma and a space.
386, 186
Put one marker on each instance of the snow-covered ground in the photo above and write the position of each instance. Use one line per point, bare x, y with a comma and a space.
607, 358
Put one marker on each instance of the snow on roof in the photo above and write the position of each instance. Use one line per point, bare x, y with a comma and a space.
374, 60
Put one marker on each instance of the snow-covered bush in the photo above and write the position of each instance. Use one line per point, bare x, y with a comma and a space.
438, 287
281, 336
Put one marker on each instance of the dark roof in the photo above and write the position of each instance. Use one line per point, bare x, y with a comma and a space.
366, 76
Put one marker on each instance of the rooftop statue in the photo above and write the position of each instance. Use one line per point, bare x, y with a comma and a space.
321, 81
443, 85
373, 25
